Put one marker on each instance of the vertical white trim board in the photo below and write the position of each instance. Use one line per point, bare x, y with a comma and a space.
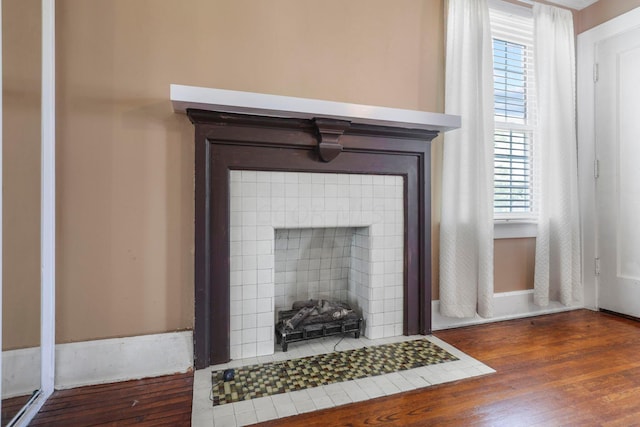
48, 199
586, 57
1, 196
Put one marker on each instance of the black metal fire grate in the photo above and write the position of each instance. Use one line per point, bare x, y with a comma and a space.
285, 335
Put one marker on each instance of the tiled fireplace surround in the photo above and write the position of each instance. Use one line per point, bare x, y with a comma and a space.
250, 173
289, 214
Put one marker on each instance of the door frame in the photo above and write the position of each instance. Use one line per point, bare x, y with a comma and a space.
586, 73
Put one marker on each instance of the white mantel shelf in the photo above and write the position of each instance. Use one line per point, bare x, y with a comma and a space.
230, 101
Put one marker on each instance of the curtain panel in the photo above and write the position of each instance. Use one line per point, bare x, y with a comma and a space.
466, 228
557, 264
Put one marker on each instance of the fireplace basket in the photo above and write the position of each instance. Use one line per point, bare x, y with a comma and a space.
303, 332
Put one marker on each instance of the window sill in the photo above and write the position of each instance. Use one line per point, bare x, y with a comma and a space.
514, 229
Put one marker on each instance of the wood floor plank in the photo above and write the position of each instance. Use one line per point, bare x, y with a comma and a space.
147, 402
140, 408
11, 406
121, 397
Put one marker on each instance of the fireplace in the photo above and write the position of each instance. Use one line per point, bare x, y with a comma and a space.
347, 144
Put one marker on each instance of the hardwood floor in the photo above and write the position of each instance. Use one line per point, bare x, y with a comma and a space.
579, 368
10, 407
160, 401
576, 369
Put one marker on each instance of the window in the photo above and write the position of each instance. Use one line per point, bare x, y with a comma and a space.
514, 114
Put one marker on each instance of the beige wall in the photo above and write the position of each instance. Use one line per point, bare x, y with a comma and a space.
514, 264
602, 11
21, 173
125, 160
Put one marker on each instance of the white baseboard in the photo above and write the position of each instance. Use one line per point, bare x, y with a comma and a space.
20, 372
121, 359
507, 305
100, 361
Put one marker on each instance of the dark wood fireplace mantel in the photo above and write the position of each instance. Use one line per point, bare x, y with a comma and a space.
227, 141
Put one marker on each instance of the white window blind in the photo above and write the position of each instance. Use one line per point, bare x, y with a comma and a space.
514, 113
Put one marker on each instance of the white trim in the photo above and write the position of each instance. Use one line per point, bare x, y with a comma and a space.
121, 359
231, 101
574, 4
507, 306
513, 9
1, 197
21, 377
48, 201
514, 229
586, 45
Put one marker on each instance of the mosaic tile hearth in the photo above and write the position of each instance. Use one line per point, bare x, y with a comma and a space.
297, 374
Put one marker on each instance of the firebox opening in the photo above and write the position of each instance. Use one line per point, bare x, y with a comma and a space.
321, 263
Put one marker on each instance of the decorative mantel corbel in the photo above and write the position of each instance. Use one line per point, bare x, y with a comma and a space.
329, 133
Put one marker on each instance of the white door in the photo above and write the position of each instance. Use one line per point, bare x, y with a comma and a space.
617, 131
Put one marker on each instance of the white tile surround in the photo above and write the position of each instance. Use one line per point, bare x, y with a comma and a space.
289, 404
261, 202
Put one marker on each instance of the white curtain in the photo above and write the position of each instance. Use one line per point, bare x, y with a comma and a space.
466, 228
557, 265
